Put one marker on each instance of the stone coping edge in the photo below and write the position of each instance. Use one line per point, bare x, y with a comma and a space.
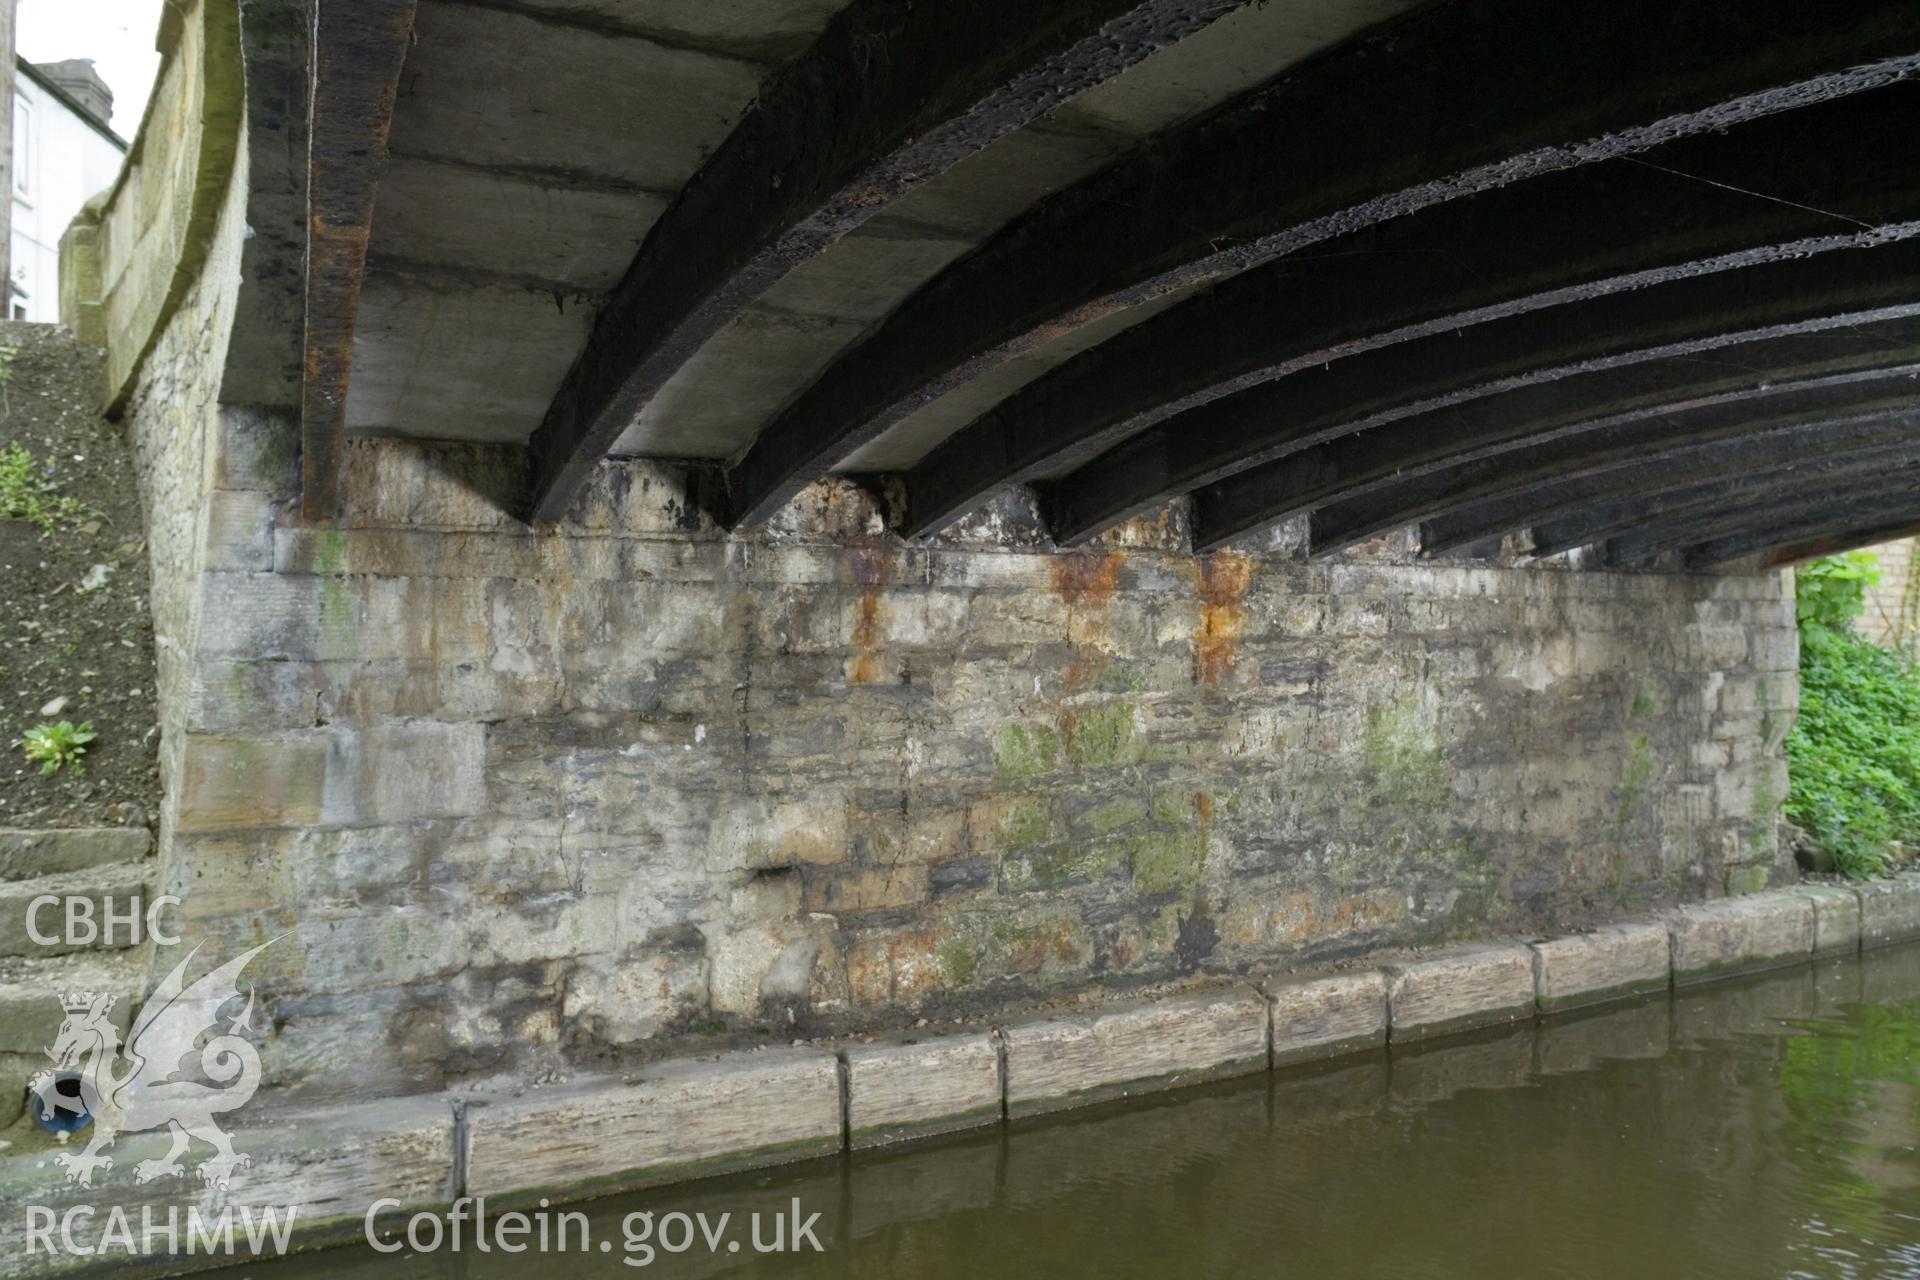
688, 1118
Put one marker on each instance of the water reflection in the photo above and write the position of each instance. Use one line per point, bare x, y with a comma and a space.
1766, 1128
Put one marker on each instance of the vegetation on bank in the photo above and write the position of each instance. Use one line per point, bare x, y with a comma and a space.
78, 722
1854, 754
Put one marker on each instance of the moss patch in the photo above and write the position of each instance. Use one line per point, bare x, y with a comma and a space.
1096, 739
1646, 700
1020, 751
1026, 820
959, 962
1404, 784
1109, 817
1051, 866
1634, 775
1165, 860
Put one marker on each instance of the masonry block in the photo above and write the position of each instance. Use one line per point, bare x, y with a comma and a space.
1060, 1062
677, 1120
318, 618
336, 1163
239, 531
1889, 910
1459, 988
252, 781
1758, 931
30, 988
908, 1088
345, 777
1320, 1017
1607, 964
121, 887
326, 1167
44, 853
1836, 918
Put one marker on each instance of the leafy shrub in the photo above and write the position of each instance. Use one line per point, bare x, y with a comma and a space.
27, 494
57, 746
1832, 592
1854, 754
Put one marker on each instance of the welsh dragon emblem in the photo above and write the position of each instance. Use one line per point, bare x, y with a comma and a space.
155, 1089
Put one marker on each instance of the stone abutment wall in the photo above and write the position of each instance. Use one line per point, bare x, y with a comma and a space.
525, 801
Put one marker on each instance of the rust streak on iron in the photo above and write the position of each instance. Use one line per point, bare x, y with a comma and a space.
358, 51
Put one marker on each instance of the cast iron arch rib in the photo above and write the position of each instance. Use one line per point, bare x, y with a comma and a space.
1829, 544
1721, 475
358, 50
1482, 494
1290, 165
1298, 443
1548, 482
1824, 377
1486, 497
1779, 517
890, 95
1789, 185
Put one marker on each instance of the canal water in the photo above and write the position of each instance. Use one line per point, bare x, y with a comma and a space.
1761, 1128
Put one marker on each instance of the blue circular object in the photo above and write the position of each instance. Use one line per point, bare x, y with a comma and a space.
62, 1111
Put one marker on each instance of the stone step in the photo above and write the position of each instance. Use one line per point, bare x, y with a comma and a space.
119, 886
31, 987
27, 854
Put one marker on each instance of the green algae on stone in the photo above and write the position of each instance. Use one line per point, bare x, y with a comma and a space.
1164, 860
1020, 751
1051, 866
958, 961
1096, 739
1026, 820
1634, 775
1104, 819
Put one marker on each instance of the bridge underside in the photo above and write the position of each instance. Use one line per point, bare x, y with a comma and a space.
617, 472
1640, 274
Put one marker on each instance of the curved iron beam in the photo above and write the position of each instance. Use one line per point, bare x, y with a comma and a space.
1687, 209
1484, 493
1813, 502
1894, 499
1345, 142
1370, 420
1715, 475
1834, 543
1516, 490
889, 96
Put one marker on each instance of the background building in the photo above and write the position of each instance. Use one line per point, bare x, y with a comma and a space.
1892, 614
64, 153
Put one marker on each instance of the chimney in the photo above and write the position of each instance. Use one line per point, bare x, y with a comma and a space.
79, 81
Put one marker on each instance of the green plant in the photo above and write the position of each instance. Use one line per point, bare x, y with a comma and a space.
1854, 754
1832, 592
27, 493
57, 746
6, 378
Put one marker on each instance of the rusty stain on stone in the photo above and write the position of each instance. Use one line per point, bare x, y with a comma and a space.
1223, 579
873, 568
897, 968
1081, 577
1085, 582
